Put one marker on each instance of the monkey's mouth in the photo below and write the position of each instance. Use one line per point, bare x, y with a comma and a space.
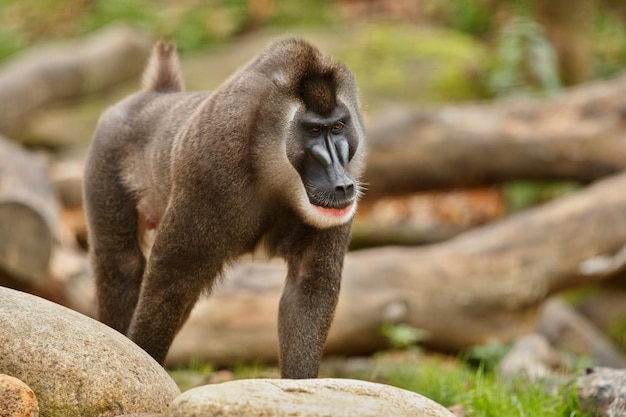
333, 212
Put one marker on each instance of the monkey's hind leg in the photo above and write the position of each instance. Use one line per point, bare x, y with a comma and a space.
116, 257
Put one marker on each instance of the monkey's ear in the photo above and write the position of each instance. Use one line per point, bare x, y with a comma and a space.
163, 73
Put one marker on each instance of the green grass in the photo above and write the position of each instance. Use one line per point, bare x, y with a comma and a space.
196, 374
482, 393
469, 380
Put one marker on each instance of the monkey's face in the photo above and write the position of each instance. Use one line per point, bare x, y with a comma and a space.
315, 154
325, 170
325, 147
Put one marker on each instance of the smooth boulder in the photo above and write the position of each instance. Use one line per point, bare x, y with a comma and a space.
303, 398
77, 365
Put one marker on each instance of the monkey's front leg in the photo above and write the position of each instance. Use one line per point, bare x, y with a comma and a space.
306, 311
175, 276
164, 305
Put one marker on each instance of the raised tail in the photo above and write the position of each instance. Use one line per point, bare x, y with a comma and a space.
163, 73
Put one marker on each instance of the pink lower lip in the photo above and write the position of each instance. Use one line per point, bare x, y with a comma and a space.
333, 212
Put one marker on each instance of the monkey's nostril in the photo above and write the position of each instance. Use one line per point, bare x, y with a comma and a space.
345, 191
350, 191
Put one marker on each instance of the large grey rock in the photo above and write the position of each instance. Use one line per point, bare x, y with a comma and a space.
76, 365
303, 398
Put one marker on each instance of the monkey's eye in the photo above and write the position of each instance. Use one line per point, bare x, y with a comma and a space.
315, 129
338, 126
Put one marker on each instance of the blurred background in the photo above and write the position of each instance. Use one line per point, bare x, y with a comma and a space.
497, 146
587, 35
402, 52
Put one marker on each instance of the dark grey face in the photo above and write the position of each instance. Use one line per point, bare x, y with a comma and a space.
327, 152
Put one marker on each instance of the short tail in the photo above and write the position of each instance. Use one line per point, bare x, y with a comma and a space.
163, 72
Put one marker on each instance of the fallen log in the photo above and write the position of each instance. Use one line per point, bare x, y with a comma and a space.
486, 284
423, 218
578, 135
29, 222
56, 72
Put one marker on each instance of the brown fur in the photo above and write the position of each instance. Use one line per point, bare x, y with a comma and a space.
212, 176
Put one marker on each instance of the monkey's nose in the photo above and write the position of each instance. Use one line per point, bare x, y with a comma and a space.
345, 191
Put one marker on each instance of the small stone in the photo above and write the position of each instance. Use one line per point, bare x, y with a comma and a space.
602, 391
303, 398
221, 376
16, 398
533, 358
457, 410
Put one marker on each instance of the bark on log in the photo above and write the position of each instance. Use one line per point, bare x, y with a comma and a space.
424, 218
482, 285
56, 72
29, 222
579, 135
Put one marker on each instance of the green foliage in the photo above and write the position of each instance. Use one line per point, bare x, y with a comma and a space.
192, 24
196, 374
102, 12
402, 336
487, 397
439, 380
578, 295
617, 332
10, 42
523, 194
444, 379
254, 370
487, 356
305, 13
438, 65
471, 16
609, 45
526, 63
